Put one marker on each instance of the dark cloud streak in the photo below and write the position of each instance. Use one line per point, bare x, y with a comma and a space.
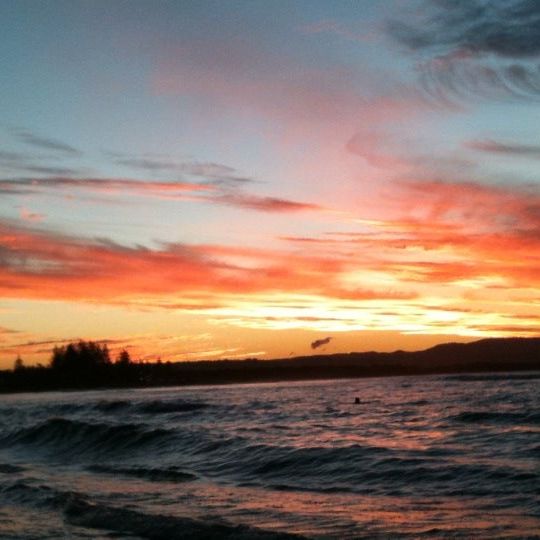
506, 28
198, 192
213, 172
30, 185
472, 48
29, 163
265, 204
494, 147
51, 170
320, 342
45, 142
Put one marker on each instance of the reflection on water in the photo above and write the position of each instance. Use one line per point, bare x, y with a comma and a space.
417, 457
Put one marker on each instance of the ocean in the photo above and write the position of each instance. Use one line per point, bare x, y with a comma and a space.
455, 456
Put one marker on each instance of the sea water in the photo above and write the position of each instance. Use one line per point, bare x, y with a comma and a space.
418, 457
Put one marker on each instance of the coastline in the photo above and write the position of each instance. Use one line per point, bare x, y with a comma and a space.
494, 355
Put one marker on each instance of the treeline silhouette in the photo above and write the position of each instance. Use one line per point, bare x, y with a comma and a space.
88, 365
84, 364
80, 357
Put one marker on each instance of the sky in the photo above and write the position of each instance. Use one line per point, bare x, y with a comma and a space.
208, 179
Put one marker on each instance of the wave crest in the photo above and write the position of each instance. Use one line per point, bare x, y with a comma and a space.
75, 437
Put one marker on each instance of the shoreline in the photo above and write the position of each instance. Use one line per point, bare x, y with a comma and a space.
495, 355
534, 374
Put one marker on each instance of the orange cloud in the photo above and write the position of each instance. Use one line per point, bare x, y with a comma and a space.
42, 265
31, 185
450, 232
462, 258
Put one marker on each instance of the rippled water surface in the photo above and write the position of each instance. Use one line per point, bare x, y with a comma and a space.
433, 457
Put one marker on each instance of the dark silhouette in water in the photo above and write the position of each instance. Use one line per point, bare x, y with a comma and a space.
86, 365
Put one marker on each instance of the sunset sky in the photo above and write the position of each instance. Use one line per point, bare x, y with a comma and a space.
209, 179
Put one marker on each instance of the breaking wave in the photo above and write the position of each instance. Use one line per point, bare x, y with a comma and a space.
76, 437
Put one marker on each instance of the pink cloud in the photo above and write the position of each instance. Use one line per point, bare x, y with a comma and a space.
296, 97
380, 150
265, 204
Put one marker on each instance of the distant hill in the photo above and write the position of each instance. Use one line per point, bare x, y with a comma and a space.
487, 355
495, 354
